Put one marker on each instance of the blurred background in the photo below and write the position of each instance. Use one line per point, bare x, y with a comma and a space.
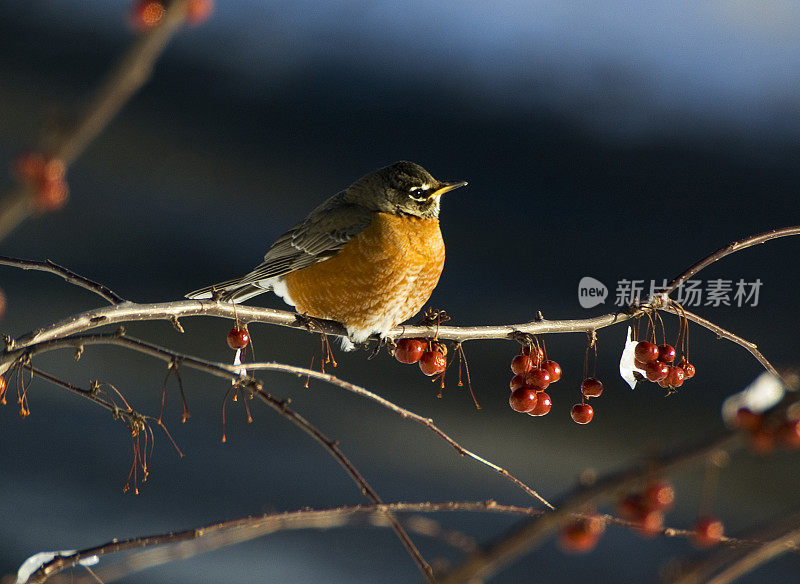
618, 140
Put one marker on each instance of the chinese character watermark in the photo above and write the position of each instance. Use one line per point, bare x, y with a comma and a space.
691, 293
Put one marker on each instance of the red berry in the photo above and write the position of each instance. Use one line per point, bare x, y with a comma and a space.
521, 364
2, 390
543, 405
747, 419
666, 353
656, 371
708, 531
433, 361
645, 352
688, 369
537, 379
198, 11
238, 337
582, 413
591, 387
50, 196
523, 400
553, 368
659, 495
410, 350
789, 433
675, 376
535, 353
146, 14
582, 535
516, 382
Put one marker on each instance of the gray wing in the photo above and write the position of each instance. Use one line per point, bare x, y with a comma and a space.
320, 236
323, 233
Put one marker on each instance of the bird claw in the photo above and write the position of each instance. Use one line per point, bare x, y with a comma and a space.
382, 342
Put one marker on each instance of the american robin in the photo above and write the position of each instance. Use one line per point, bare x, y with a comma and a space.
368, 257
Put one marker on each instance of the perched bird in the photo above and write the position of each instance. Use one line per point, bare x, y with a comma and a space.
368, 257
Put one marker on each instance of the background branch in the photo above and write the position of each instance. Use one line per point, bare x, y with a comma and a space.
126, 78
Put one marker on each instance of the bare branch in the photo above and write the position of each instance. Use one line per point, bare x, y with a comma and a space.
237, 373
727, 565
194, 541
280, 406
726, 334
531, 533
67, 274
427, 422
188, 543
132, 312
727, 250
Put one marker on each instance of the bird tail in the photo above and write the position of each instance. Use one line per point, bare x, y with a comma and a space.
233, 290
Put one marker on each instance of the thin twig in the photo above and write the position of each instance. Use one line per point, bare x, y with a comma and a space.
727, 250
280, 406
726, 334
427, 422
236, 373
185, 544
729, 564
238, 530
530, 533
67, 274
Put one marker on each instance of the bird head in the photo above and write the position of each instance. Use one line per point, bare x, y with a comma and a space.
402, 188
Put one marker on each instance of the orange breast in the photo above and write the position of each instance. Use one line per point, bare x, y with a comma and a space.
379, 278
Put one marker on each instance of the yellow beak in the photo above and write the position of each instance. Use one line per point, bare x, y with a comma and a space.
445, 187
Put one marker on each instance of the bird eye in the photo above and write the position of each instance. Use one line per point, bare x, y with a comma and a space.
419, 193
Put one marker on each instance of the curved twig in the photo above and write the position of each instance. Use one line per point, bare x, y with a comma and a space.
67, 274
728, 335
727, 250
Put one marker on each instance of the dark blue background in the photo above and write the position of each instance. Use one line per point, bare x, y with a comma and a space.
623, 140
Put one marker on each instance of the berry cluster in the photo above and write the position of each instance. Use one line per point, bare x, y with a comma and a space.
46, 176
582, 535
146, 14
656, 361
766, 433
533, 373
646, 509
431, 355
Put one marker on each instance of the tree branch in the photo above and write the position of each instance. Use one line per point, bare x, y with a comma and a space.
67, 274
727, 250
727, 565
529, 534
238, 374
126, 78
